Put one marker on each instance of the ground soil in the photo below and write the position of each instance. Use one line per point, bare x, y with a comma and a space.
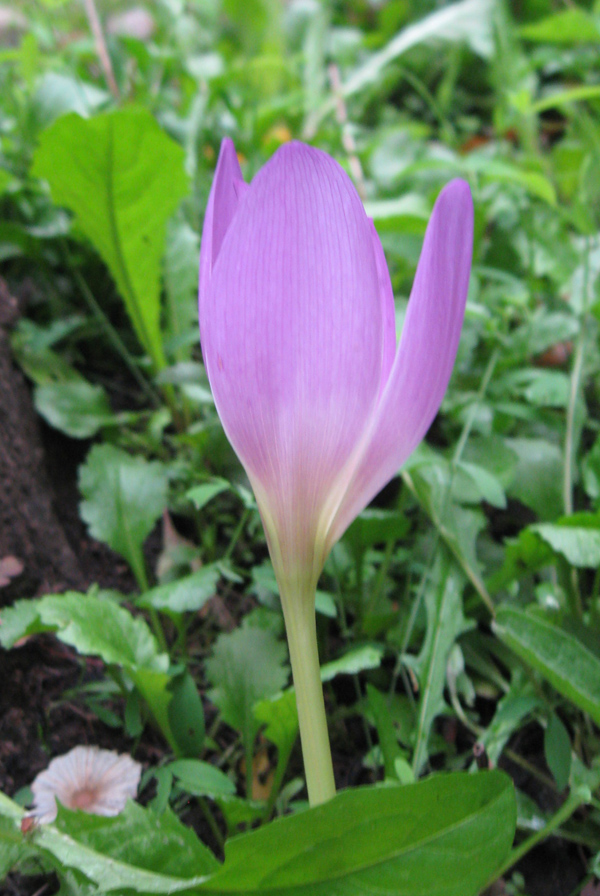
41, 712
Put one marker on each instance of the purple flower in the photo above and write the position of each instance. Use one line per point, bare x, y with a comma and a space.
298, 334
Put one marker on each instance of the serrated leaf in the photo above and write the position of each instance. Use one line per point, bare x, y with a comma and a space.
445, 622
185, 595
576, 537
110, 873
124, 496
96, 625
78, 409
557, 654
121, 198
142, 838
246, 666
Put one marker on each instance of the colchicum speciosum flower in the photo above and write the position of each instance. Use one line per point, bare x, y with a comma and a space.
298, 336
88, 778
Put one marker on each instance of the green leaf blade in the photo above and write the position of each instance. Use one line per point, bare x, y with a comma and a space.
122, 200
557, 654
444, 836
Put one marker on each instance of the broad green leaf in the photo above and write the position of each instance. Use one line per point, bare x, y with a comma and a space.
557, 749
124, 180
246, 666
559, 656
444, 836
78, 409
201, 778
567, 26
358, 659
445, 622
576, 537
96, 625
185, 595
124, 497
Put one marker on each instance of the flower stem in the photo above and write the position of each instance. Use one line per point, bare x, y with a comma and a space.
301, 627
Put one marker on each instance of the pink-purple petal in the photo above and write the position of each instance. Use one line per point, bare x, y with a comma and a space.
227, 188
388, 309
292, 336
425, 356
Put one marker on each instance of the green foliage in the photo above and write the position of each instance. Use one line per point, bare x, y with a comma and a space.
464, 604
95, 624
78, 409
397, 839
124, 496
122, 200
444, 624
411, 846
568, 664
246, 666
201, 778
184, 595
